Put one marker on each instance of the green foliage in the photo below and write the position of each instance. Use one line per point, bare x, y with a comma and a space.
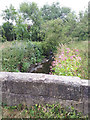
69, 25
32, 12
72, 61
51, 12
72, 28
7, 31
9, 13
82, 46
20, 56
35, 33
68, 63
52, 24
20, 28
2, 35
65, 11
38, 46
53, 34
81, 29
54, 11
52, 111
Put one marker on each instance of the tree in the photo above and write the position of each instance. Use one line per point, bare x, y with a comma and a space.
32, 12
8, 31
2, 34
81, 29
20, 28
9, 14
69, 24
51, 12
52, 30
64, 12
54, 11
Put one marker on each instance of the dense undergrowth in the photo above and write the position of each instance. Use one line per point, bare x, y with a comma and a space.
42, 111
20, 55
24, 44
71, 60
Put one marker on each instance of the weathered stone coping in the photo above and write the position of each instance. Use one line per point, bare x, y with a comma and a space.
45, 78
32, 88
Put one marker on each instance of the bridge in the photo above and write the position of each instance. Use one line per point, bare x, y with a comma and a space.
34, 88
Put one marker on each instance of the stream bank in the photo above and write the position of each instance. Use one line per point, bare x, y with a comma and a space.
43, 67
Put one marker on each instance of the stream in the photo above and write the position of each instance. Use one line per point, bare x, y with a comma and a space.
43, 67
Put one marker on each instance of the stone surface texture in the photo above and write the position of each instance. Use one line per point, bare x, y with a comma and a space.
32, 88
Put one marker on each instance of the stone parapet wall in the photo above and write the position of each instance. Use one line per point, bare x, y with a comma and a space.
32, 88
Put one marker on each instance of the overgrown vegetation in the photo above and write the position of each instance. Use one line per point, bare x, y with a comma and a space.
29, 34
42, 111
27, 22
33, 33
20, 55
71, 60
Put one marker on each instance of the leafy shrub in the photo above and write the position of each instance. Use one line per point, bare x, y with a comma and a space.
8, 31
2, 39
2, 35
68, 63
53, 34
56, 31
20, 56
38, 46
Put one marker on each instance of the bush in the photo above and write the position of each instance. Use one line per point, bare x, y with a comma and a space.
53, 34
8, 31
2, 39
38, 46
20, 56
2, 35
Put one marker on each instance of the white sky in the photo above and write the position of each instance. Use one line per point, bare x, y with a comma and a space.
75, 5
